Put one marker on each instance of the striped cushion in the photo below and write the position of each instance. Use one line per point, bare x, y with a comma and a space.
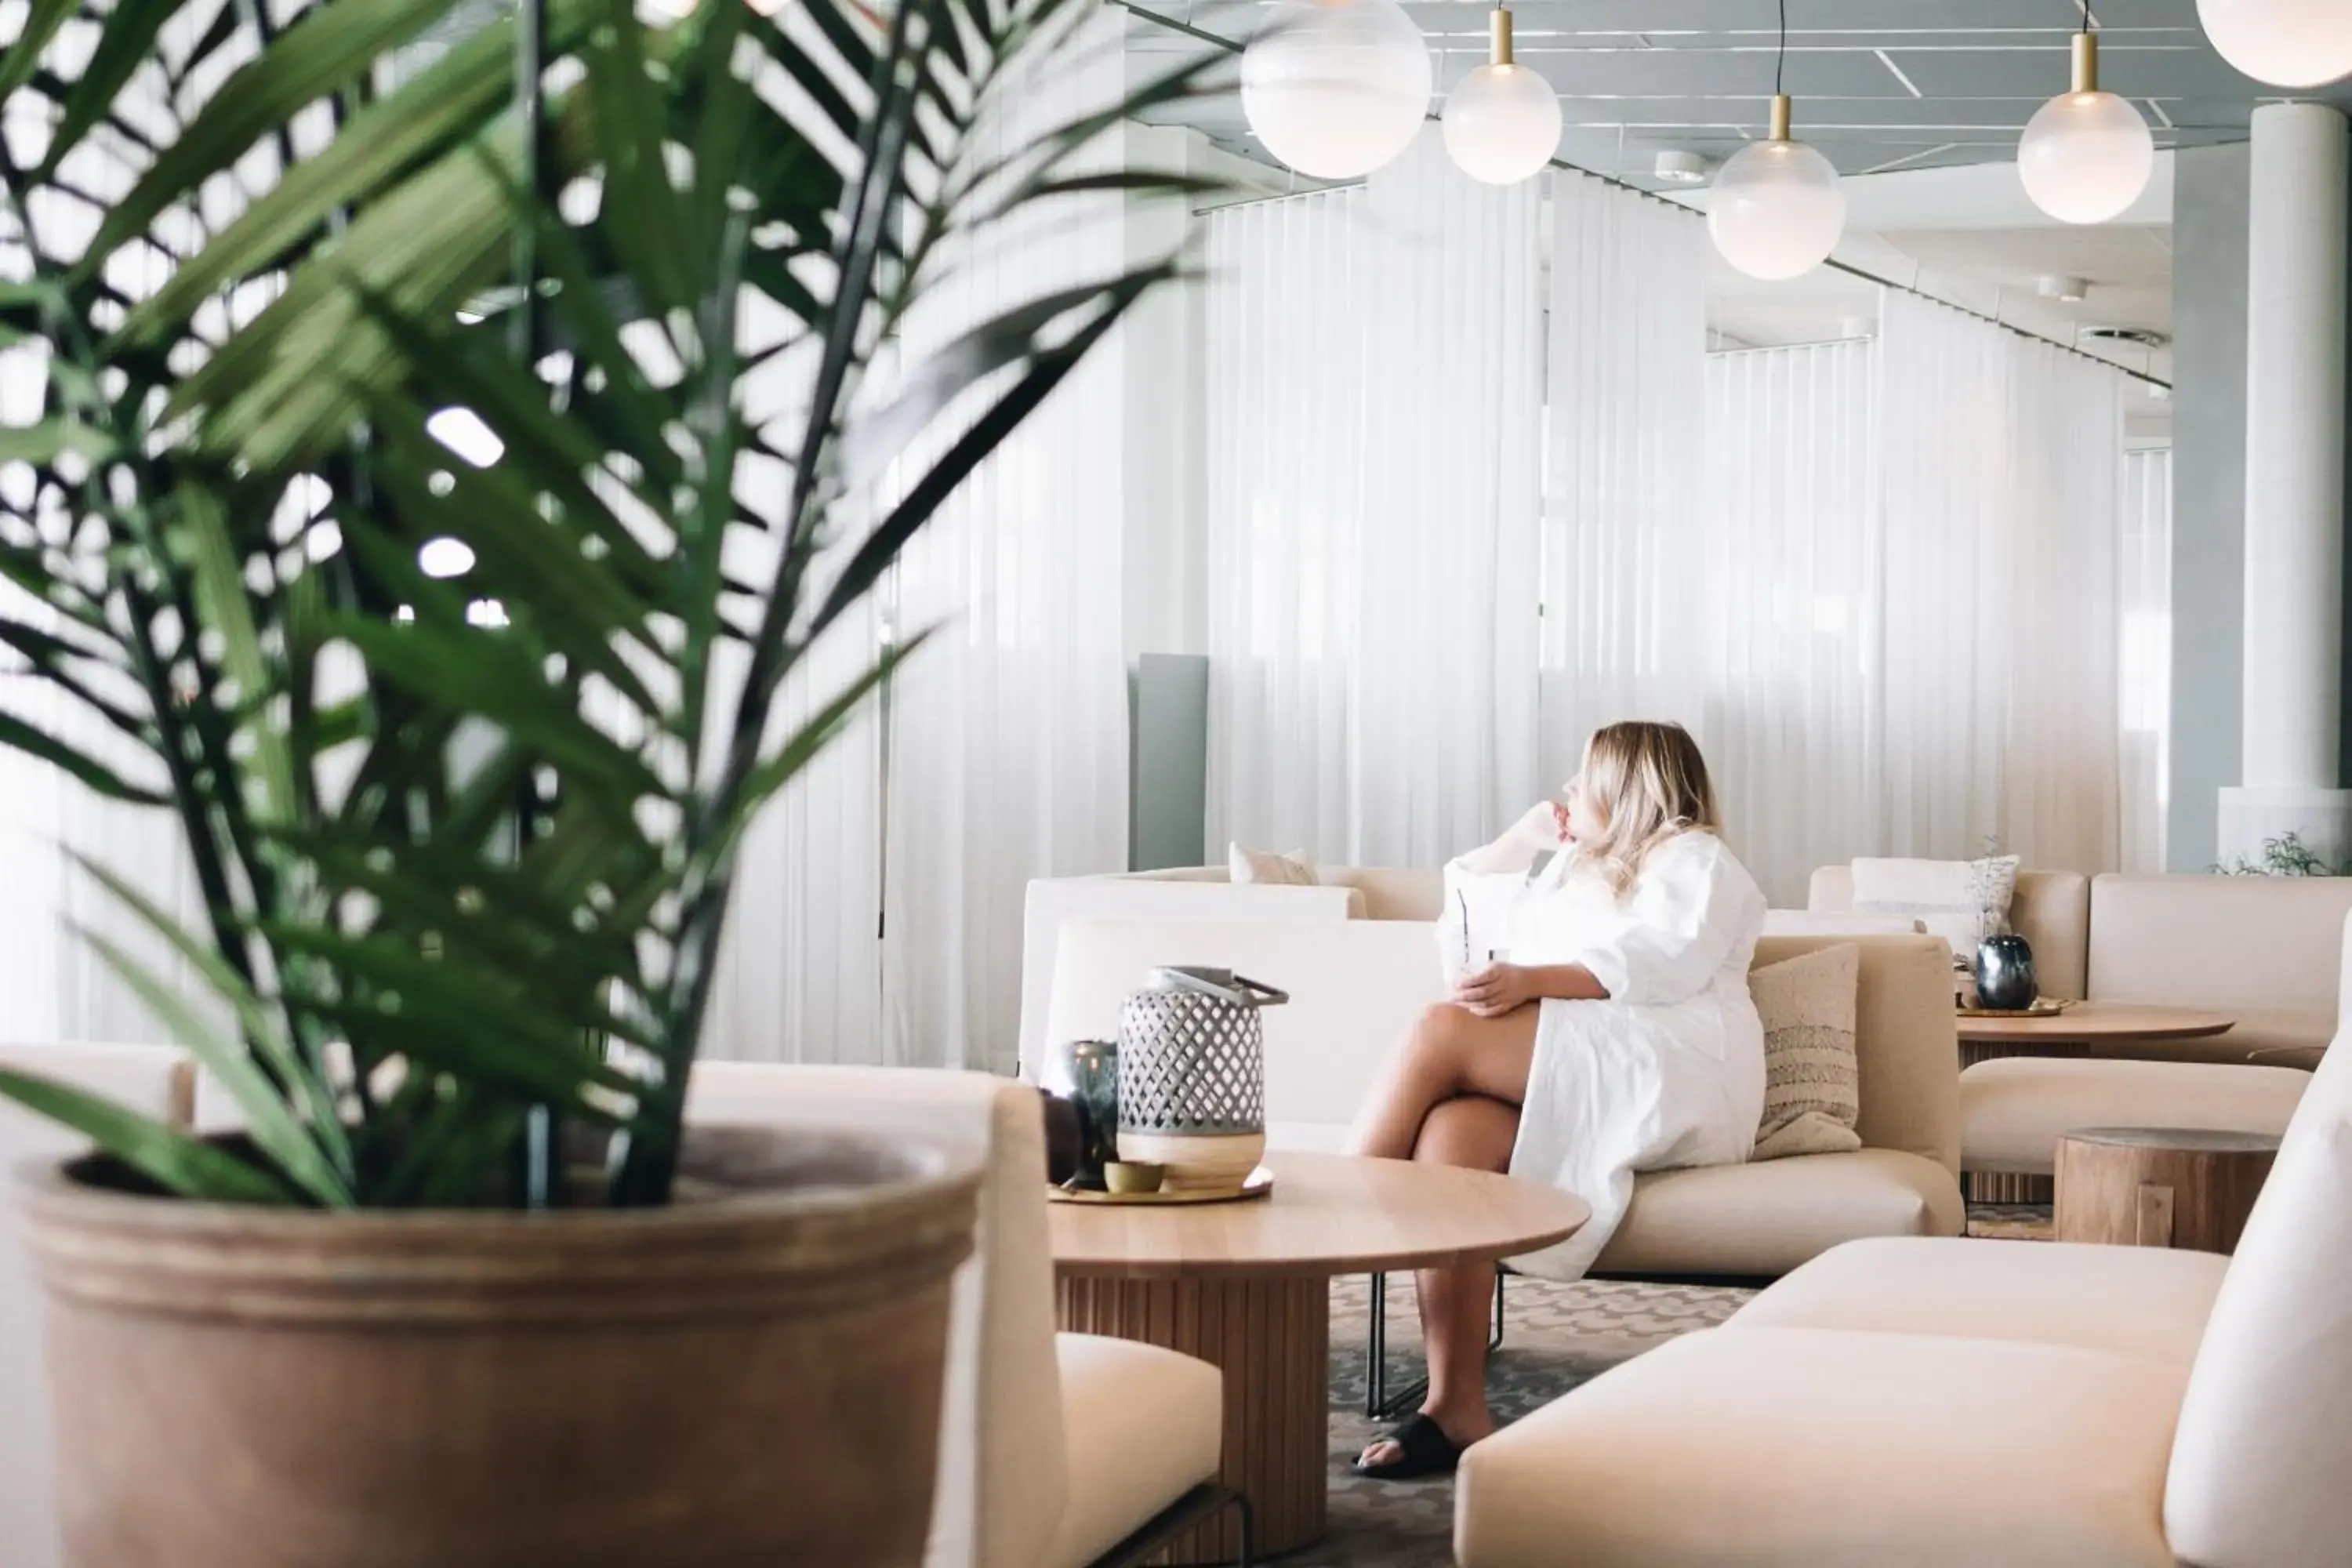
1811, 1091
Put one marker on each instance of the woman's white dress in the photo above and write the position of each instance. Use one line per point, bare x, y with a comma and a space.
1669, 1071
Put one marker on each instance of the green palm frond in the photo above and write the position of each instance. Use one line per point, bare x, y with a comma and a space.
465, 844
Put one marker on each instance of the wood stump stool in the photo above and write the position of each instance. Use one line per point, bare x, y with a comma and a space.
2160, 1187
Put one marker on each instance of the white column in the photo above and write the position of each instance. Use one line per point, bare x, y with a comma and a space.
2294, 486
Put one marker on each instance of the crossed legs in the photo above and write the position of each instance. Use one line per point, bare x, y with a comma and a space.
1450, 1096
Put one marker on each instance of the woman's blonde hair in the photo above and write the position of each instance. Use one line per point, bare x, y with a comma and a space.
1647, 782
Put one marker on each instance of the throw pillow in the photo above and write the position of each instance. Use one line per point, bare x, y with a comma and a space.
1963, 901
1812, 1089
1262, 866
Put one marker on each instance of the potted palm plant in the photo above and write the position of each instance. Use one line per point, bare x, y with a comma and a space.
324, 296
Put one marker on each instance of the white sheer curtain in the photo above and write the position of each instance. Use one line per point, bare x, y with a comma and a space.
1446, 695
1793, 619
1879, 579
1625, 605
1287, 358
1009, 732
2002, 458
56, 987
1001, 752
1375, 373
2144, 653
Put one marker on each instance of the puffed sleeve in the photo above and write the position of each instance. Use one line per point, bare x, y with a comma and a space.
1692, 906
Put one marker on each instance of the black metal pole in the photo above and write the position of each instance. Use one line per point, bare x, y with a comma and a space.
542, 1140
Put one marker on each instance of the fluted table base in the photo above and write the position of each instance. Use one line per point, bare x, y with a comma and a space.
1272, 1337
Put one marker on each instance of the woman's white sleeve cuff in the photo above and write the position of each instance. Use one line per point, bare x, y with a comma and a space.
1609, 967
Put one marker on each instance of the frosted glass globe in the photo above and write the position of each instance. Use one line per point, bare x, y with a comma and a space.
1777, 211
1336, 88
2288, 43
1501, 124
2086, 156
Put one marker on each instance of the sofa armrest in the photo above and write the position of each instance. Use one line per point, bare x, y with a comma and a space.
1002, 1479
1053, 901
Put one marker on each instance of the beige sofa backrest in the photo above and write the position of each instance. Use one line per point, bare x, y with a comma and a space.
1355, 987
1002, 1473
2264, 1439
2226, 943
1906, 1044
2051, 909
156, 1081
1391, 893
1189, 893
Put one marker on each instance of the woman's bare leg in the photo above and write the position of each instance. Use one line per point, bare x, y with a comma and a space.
1451, 1052
1477, 1133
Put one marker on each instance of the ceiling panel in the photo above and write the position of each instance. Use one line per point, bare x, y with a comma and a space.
1879, 83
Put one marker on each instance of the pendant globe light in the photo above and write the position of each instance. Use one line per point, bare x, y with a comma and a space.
1336, 88
2086, 155
1502, 120
2288, 43
1777, 212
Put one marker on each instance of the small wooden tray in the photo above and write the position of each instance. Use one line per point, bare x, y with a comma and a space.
2042, 1007
1256, 1185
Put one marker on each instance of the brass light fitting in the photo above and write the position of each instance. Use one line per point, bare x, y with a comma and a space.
2086, 62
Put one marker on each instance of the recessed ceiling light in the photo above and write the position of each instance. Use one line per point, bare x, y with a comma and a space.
1679, 168
2065, 286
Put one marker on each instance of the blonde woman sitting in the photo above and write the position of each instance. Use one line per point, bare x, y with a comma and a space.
1611, 1032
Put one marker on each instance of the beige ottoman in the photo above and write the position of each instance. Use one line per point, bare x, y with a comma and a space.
2013, 1110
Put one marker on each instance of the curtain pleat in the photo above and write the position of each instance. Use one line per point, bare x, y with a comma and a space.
1375, 364
2144, 655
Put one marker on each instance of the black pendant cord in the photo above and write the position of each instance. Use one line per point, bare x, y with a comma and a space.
1780, 60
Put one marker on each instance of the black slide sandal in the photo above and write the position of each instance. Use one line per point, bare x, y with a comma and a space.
1428, 1451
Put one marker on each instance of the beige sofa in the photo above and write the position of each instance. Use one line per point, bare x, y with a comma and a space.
1357, 986
2260, 949
1966, 1403
1200, 893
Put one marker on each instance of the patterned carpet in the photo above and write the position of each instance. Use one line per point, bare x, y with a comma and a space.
1554, 1337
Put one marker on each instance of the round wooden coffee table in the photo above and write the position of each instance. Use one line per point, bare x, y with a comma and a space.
1247, 1286
2083, 1024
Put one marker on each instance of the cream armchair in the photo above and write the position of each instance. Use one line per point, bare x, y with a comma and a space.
1056, 1450
154, 1079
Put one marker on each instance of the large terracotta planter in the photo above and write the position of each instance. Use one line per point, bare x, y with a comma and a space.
750, 1377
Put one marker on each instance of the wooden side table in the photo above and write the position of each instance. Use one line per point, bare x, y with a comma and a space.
2157, 1186
1247, 1287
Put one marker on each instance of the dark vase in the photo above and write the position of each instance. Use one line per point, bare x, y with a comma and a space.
2005, 973
1065, 1136
1080, 1083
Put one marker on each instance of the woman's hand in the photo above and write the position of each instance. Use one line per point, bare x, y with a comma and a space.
1497, 989
1545, 825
